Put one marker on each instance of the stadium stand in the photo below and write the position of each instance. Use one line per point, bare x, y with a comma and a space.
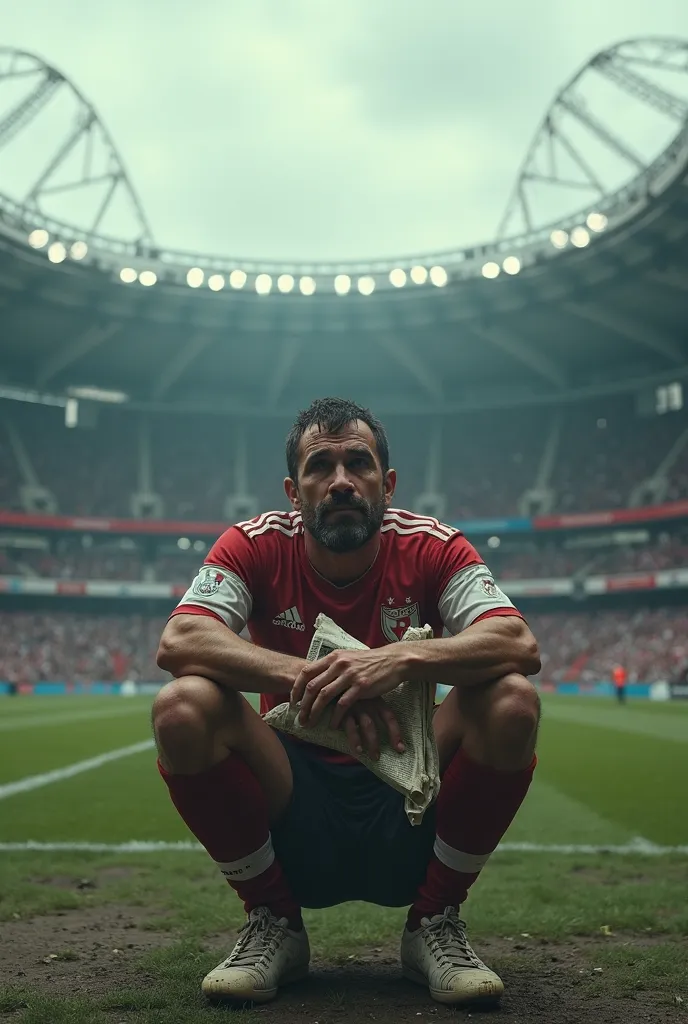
68, 647
490, 461
125, 559
585, 646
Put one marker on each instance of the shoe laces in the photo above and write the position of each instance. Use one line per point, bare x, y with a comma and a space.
258, 940
446, 937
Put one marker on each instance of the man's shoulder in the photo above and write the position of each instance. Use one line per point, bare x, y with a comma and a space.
279, 527
409, 528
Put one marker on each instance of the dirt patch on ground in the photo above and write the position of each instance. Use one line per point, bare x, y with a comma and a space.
544, 985
94, 951
78, 952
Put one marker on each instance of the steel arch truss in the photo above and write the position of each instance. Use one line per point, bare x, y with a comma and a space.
80, 171
559, 159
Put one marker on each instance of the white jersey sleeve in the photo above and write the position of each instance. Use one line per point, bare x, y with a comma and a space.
472, 594
221, 593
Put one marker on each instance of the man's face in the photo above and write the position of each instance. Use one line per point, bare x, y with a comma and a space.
341, 490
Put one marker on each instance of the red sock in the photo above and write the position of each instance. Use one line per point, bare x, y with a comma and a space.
475, 806
226, 810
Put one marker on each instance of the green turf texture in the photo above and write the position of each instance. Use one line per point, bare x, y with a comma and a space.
606, 774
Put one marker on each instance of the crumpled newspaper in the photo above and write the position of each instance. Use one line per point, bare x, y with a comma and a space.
415, 773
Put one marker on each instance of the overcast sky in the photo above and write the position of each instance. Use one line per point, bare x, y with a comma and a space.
317, 128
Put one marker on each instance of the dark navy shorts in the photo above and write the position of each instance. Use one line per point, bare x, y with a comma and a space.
345, 835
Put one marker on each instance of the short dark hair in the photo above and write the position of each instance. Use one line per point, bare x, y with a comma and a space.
332, 415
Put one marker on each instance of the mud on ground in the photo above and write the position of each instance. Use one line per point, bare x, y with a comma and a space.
95, 951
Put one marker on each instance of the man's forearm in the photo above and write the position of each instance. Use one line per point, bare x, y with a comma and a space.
487, 650
199, 645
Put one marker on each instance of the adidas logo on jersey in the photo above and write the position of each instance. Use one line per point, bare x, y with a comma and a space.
291, 619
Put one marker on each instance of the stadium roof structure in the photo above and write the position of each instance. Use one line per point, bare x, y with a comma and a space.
558, 306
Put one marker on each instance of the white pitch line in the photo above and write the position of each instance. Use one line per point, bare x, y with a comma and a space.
637, 846
46, 778
18, 722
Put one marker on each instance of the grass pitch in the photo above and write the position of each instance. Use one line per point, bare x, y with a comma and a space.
578, 933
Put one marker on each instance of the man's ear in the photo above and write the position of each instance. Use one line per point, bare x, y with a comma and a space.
292, 493
390, 485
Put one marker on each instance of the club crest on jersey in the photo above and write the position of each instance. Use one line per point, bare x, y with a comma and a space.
489, 587
208, 581
395, 621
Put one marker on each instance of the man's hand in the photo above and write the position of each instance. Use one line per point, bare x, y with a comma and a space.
347, 677
368, 724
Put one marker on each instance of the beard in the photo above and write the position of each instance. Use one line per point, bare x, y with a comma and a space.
343, 532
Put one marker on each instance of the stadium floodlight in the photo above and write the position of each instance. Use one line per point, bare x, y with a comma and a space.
128, 275
237, 279
580, 238
438, 276
559, 238
57, 252
195, 277
200, 545
493, 542
148, 278
511, 265
490, 270
263, 284
285, 283
183, 543
397, 277
366, 285
39, 238
342, 284
307, 285
216, 282
597, 221
419, 275
78, 250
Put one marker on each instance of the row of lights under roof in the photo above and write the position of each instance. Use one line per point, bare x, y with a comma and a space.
286, 283
57, 252
579, 237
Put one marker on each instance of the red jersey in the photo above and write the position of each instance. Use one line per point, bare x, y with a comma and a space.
258, 575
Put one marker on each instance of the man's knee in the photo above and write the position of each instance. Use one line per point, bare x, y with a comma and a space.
502, 722
515, 716
187, 716
516, 707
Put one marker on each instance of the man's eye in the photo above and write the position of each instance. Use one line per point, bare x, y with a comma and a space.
359, 463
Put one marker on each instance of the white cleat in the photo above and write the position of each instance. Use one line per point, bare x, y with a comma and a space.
439, 956
266, 956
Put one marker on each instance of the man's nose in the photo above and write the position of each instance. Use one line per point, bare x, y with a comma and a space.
341, 481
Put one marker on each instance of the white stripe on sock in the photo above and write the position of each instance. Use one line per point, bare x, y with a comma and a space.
466, 863
250, 866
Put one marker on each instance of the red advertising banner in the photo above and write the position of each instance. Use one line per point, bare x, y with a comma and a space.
577, 520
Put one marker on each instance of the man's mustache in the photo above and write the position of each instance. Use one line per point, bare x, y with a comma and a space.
342, 504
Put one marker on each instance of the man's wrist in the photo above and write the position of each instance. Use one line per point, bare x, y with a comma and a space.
411, 663
287, 671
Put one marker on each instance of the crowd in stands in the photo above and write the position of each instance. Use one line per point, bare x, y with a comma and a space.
67, 559
64, 647
550, 560
651, 644
489, 459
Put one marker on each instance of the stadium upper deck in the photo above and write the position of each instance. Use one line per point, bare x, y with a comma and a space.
603, 314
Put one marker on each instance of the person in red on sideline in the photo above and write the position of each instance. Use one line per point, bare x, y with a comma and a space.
620, 678
293, 825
